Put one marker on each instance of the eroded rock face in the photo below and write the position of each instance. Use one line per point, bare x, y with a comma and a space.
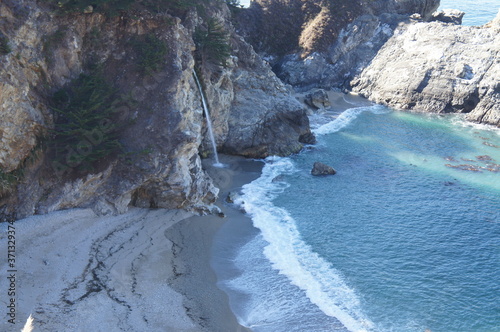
23, 115
436, 67
265, 119
301, 27
353, 50
166, 128
448, 16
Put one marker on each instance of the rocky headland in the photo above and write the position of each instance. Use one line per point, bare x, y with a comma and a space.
402, 54
437, 67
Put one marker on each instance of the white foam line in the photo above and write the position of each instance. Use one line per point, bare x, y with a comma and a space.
324, 286
461, 121
346, 117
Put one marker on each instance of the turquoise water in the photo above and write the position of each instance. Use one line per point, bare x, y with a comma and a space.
405, 237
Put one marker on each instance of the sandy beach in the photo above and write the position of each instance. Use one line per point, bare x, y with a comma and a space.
146, 270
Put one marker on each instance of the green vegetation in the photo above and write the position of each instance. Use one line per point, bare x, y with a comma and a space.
7, 182
212, 43
50, 42
85, 131
150, 51
4, 45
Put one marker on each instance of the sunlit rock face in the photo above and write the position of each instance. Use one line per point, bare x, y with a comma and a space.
437, 67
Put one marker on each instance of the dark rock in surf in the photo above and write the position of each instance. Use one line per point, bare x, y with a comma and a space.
322, 169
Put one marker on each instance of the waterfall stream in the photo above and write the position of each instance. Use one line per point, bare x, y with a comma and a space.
209, 122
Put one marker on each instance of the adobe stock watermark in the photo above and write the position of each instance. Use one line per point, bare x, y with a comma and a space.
124, 105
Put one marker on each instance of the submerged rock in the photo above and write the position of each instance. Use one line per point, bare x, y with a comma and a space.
322, 169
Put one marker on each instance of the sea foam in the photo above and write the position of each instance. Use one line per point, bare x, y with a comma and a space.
346, 117
291, 256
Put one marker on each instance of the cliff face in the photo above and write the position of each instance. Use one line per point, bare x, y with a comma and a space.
281, 27
437, 67
162, 128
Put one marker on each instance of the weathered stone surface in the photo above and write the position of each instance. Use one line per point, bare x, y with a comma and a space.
436, 67
264, 118
23, 117
453, 16
322, 169
353, 50
317, 99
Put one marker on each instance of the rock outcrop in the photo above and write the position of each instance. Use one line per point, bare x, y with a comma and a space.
352, 51
163, 127
403, 55
436, 67
322, 169
317, 99
454, 16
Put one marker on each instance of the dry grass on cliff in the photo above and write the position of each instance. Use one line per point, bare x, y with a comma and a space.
279, 27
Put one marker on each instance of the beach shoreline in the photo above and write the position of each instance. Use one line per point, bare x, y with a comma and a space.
196, 234
145, 270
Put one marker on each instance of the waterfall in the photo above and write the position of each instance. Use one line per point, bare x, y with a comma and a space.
209, 122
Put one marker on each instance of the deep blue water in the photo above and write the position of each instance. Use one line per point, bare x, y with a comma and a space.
405, 237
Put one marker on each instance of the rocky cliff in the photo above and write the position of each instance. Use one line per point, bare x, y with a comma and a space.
438, 67
133, 74
399, 53
281, 27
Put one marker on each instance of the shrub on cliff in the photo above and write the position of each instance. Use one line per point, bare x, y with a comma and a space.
7, 182
85, 128
212, 43
4, 45
279, 27
150, 51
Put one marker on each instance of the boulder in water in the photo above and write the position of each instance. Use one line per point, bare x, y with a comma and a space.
322, 169
317, 99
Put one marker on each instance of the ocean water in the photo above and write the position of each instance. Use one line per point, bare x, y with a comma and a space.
405, 237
